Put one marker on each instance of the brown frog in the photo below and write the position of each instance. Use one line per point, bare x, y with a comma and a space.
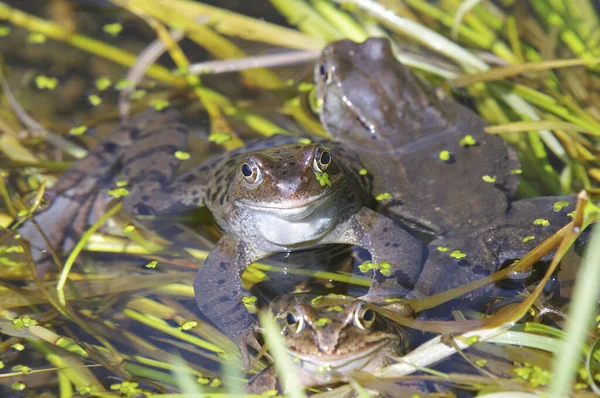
330, 339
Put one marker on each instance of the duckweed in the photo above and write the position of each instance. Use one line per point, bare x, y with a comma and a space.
558, 206
78, 130
383, 196
181, 155
103, 83
468, 140
94, 99
46, 83
457, 254
219, 138
113, 29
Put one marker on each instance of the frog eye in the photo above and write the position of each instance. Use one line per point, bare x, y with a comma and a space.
322, 70
251, 172
322, 160
364, 317
326, 73
45, 201
295, 321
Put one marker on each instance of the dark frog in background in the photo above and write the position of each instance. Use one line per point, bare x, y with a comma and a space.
433, 164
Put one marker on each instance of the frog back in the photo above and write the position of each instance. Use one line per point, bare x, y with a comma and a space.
431, 162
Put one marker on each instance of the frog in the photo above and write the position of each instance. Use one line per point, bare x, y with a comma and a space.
80, 195
278, 194
427, 151
274, 195
430, 156
329, 338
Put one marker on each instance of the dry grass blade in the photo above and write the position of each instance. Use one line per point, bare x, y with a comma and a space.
261, 61
521, 127
504, 72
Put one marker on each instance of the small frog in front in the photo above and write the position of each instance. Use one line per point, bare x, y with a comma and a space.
329, 339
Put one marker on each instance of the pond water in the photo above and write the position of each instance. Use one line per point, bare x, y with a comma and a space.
412, 190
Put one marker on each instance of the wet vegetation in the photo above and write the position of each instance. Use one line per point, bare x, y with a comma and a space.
115, 317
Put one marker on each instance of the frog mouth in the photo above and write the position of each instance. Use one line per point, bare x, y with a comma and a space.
338, 365
292, 210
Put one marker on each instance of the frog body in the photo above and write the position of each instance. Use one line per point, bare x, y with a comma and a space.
443, 173
475, 254
329, 339
278, 195
431, 154
79, 196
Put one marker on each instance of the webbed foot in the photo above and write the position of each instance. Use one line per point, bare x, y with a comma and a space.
397, 257
247, 338
218, 291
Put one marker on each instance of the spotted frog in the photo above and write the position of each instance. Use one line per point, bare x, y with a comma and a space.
329, 338
276, 194
279, 195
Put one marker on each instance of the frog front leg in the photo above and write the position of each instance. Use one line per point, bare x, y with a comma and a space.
218, 291
390, 245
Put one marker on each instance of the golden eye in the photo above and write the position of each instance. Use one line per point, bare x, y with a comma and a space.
45, 201
295, 321
322, 160
364, 317
251, 172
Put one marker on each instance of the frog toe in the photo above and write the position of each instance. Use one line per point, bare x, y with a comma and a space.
247, 338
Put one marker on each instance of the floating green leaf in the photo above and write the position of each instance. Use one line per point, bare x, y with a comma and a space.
94, 99
468, 140
36, 38
383, 196
5, 31
181, 155
45, 82
118, 192
159, 104
558, 206
457, 254
103, 83
78, 130
445, 155
321, 322
323, 178
219, 138
138, 94
113, 29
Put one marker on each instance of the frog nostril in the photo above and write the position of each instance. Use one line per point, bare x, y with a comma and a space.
304, 179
